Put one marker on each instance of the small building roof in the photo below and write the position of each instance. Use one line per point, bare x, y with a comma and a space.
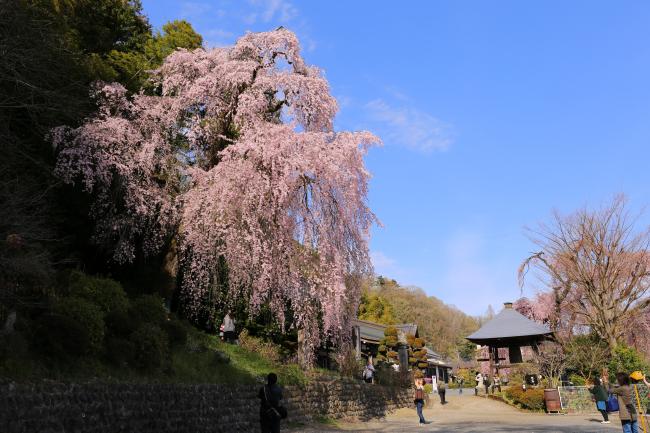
372, 332
435, 358
509, 327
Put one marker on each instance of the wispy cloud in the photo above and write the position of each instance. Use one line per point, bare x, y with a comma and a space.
409, 126
218, 38
190, 10
381, 262
266, 11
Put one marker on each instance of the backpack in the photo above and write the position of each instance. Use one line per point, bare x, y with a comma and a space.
612, 403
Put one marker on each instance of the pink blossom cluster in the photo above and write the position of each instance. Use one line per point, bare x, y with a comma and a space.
236, 156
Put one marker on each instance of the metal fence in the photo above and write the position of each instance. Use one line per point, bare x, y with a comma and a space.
578, 399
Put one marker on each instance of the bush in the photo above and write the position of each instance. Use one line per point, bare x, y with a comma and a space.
119, 351
577, 380
176, 333
151, 347
103, 292
626, 360
61, 337
120, 324
88, 315
13, 345
266, 349
532, 399
149, 309
428, 388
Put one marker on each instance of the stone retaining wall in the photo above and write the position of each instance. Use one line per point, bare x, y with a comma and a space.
157, 408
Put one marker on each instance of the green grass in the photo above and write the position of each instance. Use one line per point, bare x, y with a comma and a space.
245, 367
325, 420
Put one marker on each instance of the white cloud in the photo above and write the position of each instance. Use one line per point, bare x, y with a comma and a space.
409, 126
190, 10
280, 11
382, 263
218, 38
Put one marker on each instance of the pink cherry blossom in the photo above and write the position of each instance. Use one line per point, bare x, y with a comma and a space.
236, 157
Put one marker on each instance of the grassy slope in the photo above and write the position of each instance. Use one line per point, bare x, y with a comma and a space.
187, 367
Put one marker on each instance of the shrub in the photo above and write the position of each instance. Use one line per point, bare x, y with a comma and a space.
103, 292
176, 333
13, 345
120, 351
577, 380
264, 348
61, 337
151, 347
428, 388
88, 315
390, 331
120, 324
532, 399
626, 360
149, 309
410, 340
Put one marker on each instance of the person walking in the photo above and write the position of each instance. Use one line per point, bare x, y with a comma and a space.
479, 382
419, 399
600, 395
228, 328
461, 381
496, 384
487, 382
270, 410
626, 410
368, 371
442, 389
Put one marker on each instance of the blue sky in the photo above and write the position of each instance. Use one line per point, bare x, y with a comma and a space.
492, 114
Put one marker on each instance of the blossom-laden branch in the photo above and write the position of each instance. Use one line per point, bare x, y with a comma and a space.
235, 154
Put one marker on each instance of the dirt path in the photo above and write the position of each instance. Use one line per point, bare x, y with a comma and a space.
468, 413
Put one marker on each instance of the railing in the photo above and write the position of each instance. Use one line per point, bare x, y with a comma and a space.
579, 399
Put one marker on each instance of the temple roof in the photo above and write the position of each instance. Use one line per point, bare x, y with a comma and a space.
509, 327
373, 332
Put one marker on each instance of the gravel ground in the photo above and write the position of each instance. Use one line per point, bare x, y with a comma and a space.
470, 414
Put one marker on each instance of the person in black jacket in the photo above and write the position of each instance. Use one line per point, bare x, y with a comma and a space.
270, 410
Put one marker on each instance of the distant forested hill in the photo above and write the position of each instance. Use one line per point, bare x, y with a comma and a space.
444, 326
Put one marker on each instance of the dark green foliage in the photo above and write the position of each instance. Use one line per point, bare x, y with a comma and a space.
105, 293
151, 347
176, 333
88, 315
120, 324
467, 350
61, 337
626, 360
149, 309
120, 352
13, 345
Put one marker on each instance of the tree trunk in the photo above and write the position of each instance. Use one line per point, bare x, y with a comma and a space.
305, 352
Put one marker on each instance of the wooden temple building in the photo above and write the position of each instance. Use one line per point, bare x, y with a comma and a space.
367, 335
511, 330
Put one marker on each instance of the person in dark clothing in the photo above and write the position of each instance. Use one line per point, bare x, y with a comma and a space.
600, 395
270, 396
442, 389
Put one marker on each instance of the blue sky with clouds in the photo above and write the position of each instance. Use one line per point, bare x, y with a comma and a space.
492, 114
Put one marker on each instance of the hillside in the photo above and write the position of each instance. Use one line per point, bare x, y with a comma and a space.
442, 325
